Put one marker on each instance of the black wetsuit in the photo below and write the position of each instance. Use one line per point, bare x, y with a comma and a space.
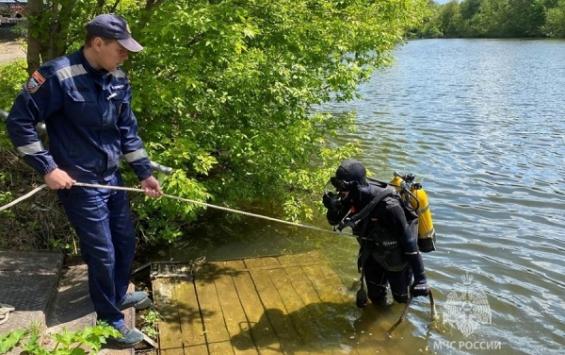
388, 246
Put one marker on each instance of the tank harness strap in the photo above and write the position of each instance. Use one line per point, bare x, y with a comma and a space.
364, 213
423, 209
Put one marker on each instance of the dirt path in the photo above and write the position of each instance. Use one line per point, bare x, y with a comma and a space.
11, 51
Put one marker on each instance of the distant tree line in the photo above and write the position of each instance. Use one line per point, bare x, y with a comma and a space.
494, 18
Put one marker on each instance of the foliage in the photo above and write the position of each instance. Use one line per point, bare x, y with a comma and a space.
495, 18
429, 27
13, 77
450, 19
37, 224
33, 224
150, 321
555, 23
226, 92
58, 25
9, 340
64, 343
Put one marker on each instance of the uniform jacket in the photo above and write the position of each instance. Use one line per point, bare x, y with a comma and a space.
89, 121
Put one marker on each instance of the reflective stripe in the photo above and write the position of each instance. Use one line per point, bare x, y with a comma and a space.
135, 155
69, 72
30, 149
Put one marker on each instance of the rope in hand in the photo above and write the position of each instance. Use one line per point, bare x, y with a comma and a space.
182, 199
227, 209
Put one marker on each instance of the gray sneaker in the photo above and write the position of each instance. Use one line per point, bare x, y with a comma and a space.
129, 339
138, 299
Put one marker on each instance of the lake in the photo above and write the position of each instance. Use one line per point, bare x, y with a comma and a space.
481, 123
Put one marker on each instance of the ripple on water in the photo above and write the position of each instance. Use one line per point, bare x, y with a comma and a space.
480, 122
493, 155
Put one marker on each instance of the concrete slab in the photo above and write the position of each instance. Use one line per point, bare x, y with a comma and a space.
73, 310
46, 295
28, 281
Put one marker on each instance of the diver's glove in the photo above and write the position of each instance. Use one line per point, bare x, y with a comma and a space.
345, 222
420, 286
331, 201
335, 209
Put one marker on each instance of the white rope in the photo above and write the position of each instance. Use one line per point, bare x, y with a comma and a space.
182, 199
24, 197
227, 209
5, 310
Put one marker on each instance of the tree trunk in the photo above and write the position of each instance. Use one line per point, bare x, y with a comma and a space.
61, 19
33, 36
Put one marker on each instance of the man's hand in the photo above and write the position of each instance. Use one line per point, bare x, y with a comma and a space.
151, 187
58, 179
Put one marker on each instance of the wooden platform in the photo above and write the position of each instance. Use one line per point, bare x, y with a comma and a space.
286, 304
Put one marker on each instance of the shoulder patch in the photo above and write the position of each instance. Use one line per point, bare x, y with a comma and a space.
35, 82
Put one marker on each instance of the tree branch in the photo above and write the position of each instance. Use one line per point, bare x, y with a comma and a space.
115, 6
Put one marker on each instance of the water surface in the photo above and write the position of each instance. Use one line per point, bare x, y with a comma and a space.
482, 125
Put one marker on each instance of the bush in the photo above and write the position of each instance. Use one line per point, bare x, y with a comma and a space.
38, 223
555, 22
225, 91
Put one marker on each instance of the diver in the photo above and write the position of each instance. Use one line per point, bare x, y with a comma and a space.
386, 230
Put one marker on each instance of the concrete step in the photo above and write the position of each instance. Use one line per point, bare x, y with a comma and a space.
28, 281
73, 310
48, 296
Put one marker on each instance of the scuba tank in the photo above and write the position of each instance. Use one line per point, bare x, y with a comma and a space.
414, 195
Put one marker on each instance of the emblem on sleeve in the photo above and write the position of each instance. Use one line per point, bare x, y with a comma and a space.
35, 82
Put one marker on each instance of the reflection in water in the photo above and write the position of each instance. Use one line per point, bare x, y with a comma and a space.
481, 123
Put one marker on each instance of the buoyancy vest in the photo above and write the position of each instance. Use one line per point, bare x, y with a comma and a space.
377, 240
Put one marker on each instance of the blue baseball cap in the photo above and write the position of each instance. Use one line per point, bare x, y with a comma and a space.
114, 27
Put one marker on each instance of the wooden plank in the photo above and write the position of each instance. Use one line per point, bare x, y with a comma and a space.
169, 326
336, 303
275, 309
299, 312
192, 329
265, 263
216, 332
237, 324
262, 332
271, 305
172, 351
327, 283
310, 258
321, 314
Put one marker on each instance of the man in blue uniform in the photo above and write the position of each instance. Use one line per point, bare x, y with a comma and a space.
388, 254
85, 101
